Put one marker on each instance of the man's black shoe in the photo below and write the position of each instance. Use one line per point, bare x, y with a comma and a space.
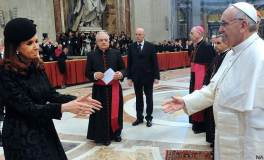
197, 131
149, 123
137, 122
106, 143
118, 139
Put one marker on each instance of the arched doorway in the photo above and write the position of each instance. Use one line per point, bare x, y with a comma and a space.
183, 24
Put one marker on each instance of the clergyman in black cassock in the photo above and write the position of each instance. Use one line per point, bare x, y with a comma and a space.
102, 126
222, 49
201, 58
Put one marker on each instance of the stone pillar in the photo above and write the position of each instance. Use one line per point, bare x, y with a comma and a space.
68, 14
174, 19
127, 17
205, 24
178, 19
62, 16
188, 18
57, 14
109, 23
196, 10
121, 19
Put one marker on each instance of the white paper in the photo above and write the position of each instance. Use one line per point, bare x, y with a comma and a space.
108, 76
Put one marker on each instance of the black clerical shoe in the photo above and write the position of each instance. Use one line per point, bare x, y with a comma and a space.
118, 139
198, 131
212, 145
149, 123
106, 143
137, 122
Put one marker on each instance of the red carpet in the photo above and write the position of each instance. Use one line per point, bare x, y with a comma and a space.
188, 155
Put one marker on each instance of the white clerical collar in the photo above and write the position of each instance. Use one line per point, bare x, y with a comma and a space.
240, 47
224, 51
200, 41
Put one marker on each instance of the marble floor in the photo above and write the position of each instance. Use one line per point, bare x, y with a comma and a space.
169, 131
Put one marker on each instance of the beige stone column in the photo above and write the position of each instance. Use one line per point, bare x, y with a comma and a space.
127, 17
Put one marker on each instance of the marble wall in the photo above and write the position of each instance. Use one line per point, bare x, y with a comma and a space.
41, 11
153, 16
69, 17
109, 16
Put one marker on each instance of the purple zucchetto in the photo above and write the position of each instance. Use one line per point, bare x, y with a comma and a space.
200, 29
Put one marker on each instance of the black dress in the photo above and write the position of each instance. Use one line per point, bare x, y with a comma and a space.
62, 62
99, 128
28, 129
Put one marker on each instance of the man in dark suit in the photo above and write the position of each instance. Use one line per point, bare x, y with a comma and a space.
213, 41
143, 71
49, 51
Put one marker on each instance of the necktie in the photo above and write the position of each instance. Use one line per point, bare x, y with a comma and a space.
1, 56
139, 48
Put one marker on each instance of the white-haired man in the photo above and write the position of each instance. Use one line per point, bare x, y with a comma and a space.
236, 90
213, 41
107, 124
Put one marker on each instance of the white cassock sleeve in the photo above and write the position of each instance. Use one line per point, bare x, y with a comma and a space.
254, 136
199, 99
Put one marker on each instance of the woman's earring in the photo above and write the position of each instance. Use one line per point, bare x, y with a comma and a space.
17, 52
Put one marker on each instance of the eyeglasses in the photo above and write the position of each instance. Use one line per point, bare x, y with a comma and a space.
138, 34
224, 24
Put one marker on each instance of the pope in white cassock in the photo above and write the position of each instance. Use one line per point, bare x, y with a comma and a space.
236, 91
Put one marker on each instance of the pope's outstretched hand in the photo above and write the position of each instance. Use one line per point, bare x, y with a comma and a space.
173, 105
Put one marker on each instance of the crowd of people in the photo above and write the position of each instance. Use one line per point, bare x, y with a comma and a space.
225, 99
79, 44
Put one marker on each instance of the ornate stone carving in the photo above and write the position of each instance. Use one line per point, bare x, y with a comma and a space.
14, 13
89, 13
2, 21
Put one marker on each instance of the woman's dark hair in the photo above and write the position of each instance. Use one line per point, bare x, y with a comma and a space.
13, 63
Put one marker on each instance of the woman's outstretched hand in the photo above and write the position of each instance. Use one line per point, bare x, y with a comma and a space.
173, 105
82, 106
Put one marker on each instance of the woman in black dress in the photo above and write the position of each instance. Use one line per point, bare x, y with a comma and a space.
28, 129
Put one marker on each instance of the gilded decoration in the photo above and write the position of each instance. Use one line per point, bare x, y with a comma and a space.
262, 12
181, 17
214, 17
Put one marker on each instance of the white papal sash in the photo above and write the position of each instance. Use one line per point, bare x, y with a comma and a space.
228, 129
